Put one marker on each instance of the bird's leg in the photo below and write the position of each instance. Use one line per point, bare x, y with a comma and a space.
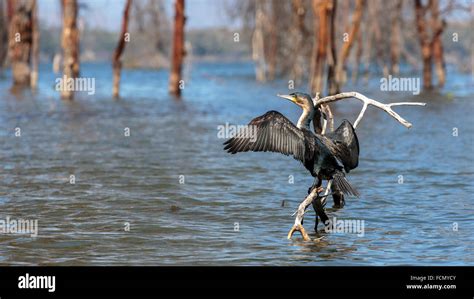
317, 184
326, 193
338, 197
298, 226
318, 206
319, 210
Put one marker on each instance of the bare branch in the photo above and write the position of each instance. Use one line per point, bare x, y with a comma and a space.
385, 107
330, 117
328, 113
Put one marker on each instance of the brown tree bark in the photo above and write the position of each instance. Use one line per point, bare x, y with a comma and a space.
322, 9
35, 46
10, 9
70, 45
273, 43
420, 12
3, 33
116, 62
368, 56
298, 34
346, 46
333, 86
178, 49
20, 41
437, 43
157, 13
258, 43
395, 39
375, 9
358, 57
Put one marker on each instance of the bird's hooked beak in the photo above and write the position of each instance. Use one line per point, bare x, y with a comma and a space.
288, 97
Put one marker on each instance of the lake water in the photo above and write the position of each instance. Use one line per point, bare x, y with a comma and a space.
184, 197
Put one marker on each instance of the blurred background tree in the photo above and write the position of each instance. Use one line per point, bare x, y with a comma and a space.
324, 40
320, 44
21, 41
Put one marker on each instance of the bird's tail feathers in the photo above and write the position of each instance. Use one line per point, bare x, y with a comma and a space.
341, 182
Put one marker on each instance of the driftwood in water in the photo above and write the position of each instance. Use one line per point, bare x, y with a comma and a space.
116, 62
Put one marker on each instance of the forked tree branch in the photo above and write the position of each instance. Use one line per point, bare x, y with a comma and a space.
328, 116
366, 101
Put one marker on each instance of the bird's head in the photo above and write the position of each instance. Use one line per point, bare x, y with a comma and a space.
301, 99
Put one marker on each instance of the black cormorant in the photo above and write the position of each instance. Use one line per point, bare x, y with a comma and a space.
324, 156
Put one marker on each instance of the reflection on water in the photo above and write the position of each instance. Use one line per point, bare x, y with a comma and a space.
137, 180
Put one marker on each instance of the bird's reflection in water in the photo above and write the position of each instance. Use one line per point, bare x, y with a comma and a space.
321, 247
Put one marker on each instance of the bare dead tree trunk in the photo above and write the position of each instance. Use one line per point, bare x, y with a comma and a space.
3, 34
20, 41
368, 56
410, 58
116, 62
420, 12
346, 46
156, 10
178, 54
258, 43
371, 38
322, 9
273, 46
314, 50
333, 86
70, 45
298, 33
358, 56
345, 12
376, 32
395, 39
35, 46
437, 43
10, 9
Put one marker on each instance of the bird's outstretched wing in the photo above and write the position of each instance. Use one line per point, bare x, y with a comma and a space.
273, 132
346, 145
